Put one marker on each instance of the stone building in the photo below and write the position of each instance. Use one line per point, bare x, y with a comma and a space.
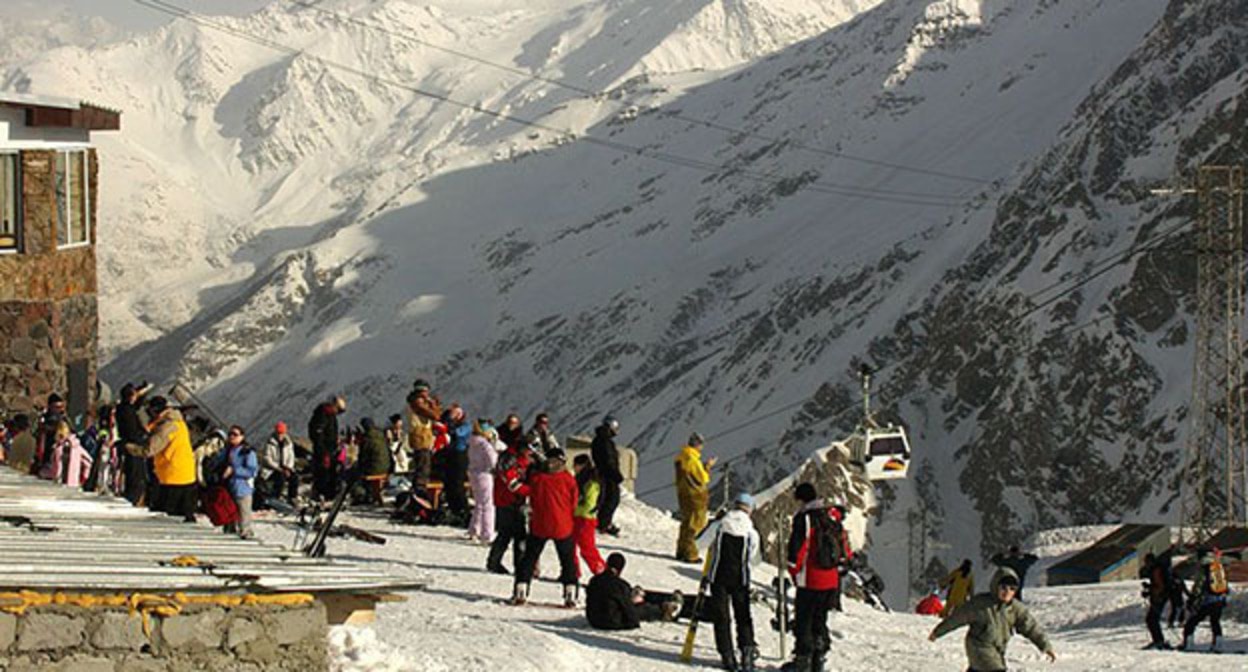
49, 323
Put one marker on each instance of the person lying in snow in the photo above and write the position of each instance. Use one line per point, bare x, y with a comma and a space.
612, 604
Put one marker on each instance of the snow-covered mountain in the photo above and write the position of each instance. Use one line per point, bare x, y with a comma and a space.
761, 196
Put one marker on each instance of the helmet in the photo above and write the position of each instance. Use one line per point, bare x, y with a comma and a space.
695, 439
745, 499
610, 421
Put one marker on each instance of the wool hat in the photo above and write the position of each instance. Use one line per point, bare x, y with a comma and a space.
745, 499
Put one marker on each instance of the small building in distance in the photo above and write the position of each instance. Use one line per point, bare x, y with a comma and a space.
49, 323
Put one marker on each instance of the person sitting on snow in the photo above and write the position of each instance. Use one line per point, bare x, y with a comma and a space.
993, 618
612, 604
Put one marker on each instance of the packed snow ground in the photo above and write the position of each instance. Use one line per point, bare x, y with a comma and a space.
459, 623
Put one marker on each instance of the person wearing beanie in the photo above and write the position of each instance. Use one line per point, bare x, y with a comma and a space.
693, 494
606, 456
552, 497
818, 550
734, 549
992, 619
169, 447
277, 467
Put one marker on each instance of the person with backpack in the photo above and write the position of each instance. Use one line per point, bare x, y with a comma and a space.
1210, 598
959, 585
1155, 573
817, 551
552, 494
734, 549
606, 458
1018, 561
991, 619
693, 494
240, 473
585, 518
482, 458
510, 522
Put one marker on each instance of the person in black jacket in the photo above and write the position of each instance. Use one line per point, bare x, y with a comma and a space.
323, 432
607, 460
130, 431
735, 547
612, 604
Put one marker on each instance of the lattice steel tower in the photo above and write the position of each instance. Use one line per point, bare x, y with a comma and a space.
1215, 484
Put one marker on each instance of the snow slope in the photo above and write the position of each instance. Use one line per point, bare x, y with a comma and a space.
458, 623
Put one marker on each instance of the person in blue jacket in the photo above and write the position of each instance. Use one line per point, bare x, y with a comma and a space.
240, 474
458, 430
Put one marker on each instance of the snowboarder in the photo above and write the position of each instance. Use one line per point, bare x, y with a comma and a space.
817, 552
323, 432
693, 478
239, 477
734, 548
960, 585
585, 520
552, 495
482, 457
510, 523
277, 467
1019, 562
607, 459
993, 618
1209, 598
1156, 575
423, 410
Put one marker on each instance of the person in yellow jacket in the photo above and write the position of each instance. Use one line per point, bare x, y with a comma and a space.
693, 478
173, 459
960, 585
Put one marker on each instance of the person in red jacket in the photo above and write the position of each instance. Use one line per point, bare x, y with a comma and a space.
552, 495
510, 524
818, 551
930, 605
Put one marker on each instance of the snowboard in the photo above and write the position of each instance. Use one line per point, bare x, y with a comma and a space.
686, 652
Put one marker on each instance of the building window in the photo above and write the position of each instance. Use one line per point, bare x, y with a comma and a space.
73, 199
9, 207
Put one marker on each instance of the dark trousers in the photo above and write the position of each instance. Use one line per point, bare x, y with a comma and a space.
456, 472
566, 548
739, 599
810, 628
608, 502
136, 478
511, 528
1153, 620
1176, 607
176, 500
278, 484
324, 478
1210, 610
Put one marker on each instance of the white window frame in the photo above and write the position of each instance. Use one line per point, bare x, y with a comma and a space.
17, 202
69, 198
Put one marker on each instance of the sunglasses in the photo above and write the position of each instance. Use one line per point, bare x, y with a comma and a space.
236, 433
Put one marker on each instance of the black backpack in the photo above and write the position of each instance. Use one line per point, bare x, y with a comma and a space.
827, 539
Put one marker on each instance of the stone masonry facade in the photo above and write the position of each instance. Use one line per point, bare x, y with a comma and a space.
201, 637
48, 314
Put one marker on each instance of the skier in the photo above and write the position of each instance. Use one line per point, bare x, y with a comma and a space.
817, 552
552, 494
169, 448
1019, 562
240, 477
607, 459
733, 550
540, 434
277, 473
1155, 574
960, 584
693, 478
510, 523
993, 618
585, 519
423, 410
482, 457
373, 461
323, 432
1210, 598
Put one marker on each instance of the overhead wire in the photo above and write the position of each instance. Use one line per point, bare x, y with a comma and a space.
601, 95
768, 177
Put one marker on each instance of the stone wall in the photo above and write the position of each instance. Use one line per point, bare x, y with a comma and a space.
48, 312
201, 637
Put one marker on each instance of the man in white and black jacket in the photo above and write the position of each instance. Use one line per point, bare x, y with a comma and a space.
735, 547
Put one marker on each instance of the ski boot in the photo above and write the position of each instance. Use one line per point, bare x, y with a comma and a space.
798, 664
520, 595
749, 658
817, 661
728, 661
569, 595
1216, 647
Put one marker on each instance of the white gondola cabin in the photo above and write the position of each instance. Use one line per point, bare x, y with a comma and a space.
883, 454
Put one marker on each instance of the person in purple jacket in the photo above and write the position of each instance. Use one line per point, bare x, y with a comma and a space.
240, 473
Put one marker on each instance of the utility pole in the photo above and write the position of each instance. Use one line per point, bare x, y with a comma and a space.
1214, 486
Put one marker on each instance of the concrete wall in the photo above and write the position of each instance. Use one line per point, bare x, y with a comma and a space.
201, 637
48, 312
